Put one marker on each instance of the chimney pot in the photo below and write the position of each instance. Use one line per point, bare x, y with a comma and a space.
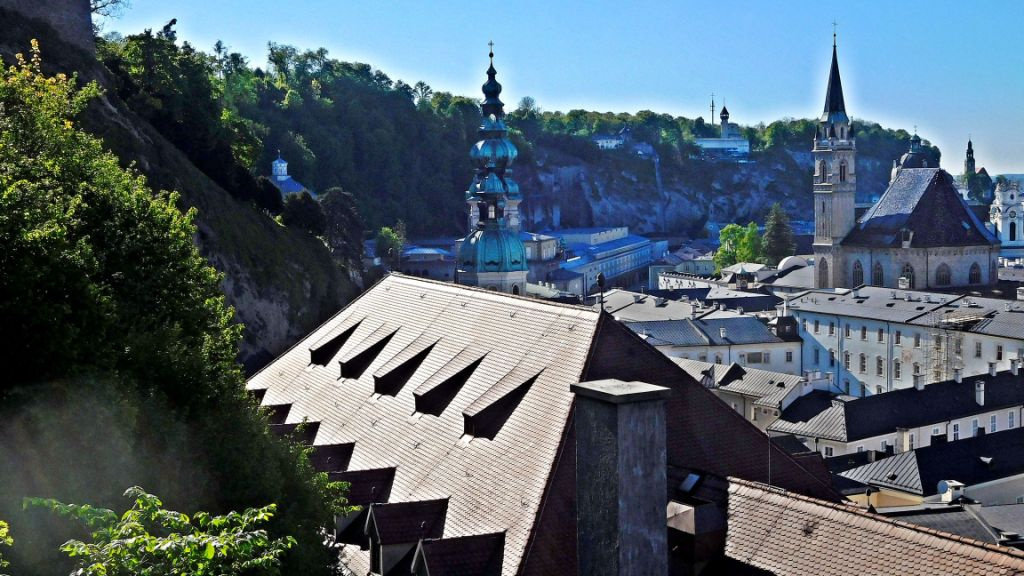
1015, 366
979, 392
992, 368
919, 381
958, 375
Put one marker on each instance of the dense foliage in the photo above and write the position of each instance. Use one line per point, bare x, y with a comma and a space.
5, 540
148, 540
105, 302
738, 244
778, 236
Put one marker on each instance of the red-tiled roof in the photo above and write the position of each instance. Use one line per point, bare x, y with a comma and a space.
788, 534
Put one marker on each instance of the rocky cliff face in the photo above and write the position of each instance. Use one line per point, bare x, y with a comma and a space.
621, 188
281, 281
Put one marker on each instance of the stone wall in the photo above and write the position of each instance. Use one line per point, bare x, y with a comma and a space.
71, 18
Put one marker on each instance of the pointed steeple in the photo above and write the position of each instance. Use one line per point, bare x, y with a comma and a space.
834, 103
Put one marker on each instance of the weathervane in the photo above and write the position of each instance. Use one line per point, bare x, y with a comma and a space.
834, 25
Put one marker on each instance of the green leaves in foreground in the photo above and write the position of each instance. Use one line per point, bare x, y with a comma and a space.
148, 540
5, 540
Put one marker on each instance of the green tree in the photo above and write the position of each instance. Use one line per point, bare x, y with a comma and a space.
730, 239
303, 211
152, 541
749, 249
5, 540
344, 228
100, 278
778, 236
389, 244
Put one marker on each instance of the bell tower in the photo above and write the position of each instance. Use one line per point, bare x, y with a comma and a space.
835, 181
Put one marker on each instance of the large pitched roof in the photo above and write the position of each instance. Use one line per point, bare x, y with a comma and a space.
446, 393
920, 471
926, 202
767, 386
706, 331
787, 534
906, 408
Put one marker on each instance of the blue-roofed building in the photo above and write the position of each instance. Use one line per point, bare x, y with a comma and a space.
285, 183
622, 257
428, 262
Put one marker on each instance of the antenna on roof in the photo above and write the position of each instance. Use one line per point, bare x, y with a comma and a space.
600, 287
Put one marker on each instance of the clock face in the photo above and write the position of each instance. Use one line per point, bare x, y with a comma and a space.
1013, 214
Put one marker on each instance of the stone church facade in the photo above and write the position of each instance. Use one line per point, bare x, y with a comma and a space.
919, 234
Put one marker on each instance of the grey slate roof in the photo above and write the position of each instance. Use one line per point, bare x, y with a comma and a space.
954, 519
919, 471
925, 201
907, 408
817, 415
705, 331
761, 384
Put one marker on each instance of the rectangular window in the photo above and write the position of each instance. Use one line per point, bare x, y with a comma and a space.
743, 358
831, 328
817, 355
1009, 420
754, 357
935, 431
977, 349
974, 427
881, 335
828, 451
789, 355
879, 366
860, 448
956, 431
863, 332
898, 338
862, 363
917, 340
897, 369
938, 342
831, 358
817, 326
958, 346
912, 440
884, 444
846, 330
846, 360
993, 424
999, 353
767, 357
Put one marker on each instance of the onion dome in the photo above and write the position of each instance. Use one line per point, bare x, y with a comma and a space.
916, 156
492, 249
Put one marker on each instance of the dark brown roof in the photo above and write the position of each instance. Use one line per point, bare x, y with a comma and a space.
926, 202
788, 534
463, 556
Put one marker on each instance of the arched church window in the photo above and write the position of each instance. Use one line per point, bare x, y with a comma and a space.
842, 171
822, 173
823, 274
515, 289
908, 273
858, 273
877, 275
1013, 231
943, 276
974, 277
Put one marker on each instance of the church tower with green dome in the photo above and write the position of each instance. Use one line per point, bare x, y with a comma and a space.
492, 256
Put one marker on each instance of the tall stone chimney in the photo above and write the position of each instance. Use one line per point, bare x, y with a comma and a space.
621, 488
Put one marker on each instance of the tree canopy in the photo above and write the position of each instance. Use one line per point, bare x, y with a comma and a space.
148, 540
738, 244
104, 295
778, 236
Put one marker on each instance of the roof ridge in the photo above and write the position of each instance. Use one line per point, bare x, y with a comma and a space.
849, 508
398, 276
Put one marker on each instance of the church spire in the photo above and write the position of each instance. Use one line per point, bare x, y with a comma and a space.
493, 255
834, 103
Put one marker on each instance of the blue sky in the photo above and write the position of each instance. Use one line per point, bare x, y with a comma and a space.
953, 69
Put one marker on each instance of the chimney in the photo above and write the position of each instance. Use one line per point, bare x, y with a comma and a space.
979, 392
958, 375
1015, 366
919, 381
621, 485
722, 332
992, 368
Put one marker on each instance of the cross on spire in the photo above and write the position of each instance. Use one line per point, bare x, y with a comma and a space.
834, 25
490, 45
